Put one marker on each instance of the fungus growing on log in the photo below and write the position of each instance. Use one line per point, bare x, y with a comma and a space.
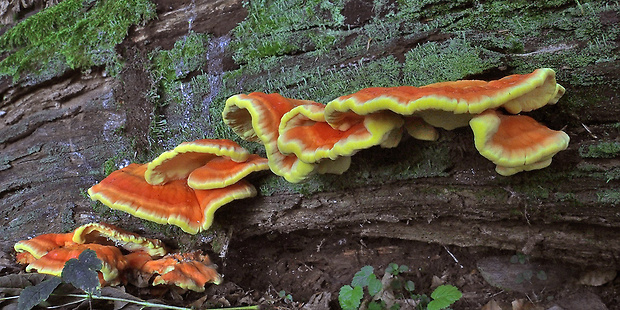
179, 162
171, 203
103, 233
311, 135
305, 133
221, 172
189, 271
186, 270
256, 117
515, 93
54, 261
516, 142
35, 248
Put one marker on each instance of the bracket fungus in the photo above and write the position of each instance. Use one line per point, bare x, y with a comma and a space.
171, 203
305, 133
186, 185
54, 261
516, 142
179, 162
147, 257
183, 186
256, 117
310, 135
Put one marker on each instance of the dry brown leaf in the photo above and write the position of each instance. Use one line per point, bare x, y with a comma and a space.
597, 277
522, 304
492, 305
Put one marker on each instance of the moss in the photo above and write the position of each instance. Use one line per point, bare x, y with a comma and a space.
73, 34
590, 170
106, 213
609, 196
110, 165
178, 88
453, 60
281, 27
603, 149
534, 191
169, 67
67, 220
568, 198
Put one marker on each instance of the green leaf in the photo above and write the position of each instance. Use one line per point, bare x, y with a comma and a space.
373, 305
392, 268
350, 298
395, 307
443, 296
34, 295
82, 272
374, 285
410, 286
403, 268
361, 277
541, 275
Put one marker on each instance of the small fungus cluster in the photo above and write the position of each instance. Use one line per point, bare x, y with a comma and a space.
124, 256
183, 186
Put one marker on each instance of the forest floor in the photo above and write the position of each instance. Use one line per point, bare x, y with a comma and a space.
307, 270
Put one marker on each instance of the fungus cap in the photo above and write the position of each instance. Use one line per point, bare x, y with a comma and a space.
516, 93
256, 117
179, 162
172, 203
222, 171
517, 142
104, 233
54, 261
305, 133
42, 244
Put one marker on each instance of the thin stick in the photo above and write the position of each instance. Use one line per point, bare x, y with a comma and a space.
149, 304
453, 257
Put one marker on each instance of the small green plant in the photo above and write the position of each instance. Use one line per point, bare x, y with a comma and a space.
384, 293
288, 298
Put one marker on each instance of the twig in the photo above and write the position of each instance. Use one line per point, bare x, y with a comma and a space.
150, 304
67, 304
453, 257
141, 303
589, 131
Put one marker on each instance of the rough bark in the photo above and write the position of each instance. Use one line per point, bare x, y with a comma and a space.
56, 135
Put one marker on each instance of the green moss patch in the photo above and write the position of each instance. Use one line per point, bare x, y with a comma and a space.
603, 149
73, 34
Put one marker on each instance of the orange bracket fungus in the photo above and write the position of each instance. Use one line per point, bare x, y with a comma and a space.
186, 185
188, 271
183, 186
516, 142
256, 117
146, 256
311, 135
179, 162
171, 203
54, 261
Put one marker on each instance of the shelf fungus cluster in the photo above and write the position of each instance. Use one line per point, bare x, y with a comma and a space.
186, 185
183, 186
303, 137
125, 256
